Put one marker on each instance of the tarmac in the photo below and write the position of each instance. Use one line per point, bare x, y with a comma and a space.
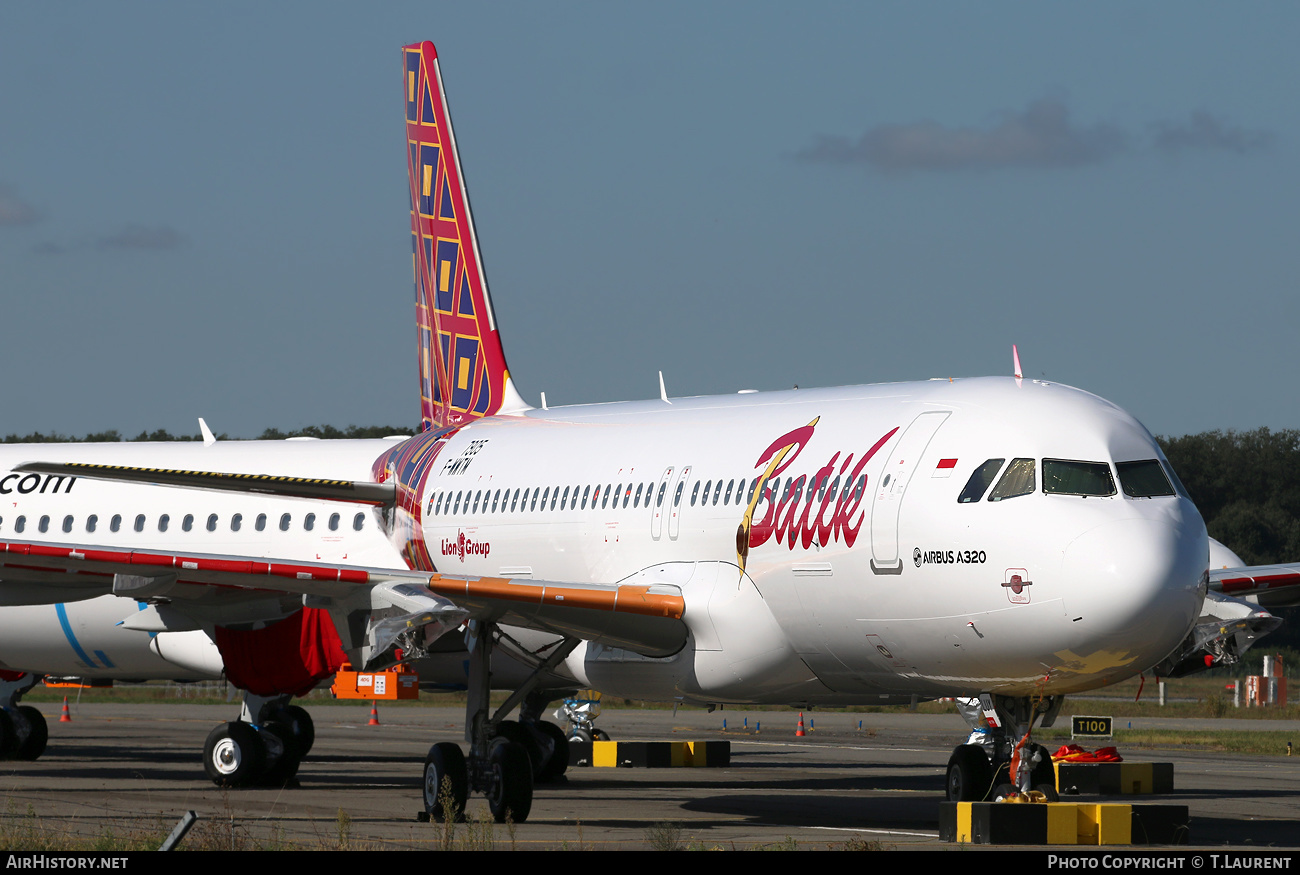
125, 768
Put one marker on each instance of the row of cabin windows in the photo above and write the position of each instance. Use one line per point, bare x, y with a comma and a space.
705, 492
187, 522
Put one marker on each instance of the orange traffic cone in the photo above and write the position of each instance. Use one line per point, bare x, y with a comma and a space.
374, 714
65, 717
800, 730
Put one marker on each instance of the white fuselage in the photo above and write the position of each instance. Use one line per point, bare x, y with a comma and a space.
879, 587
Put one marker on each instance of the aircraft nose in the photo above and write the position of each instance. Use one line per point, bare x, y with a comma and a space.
1134, 588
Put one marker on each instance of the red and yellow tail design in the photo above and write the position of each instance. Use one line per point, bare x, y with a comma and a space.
463, 371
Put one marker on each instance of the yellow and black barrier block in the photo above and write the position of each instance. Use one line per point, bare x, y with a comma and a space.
1115, 779
1062, 823
650, 754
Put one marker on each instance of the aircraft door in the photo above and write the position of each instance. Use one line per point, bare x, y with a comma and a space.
894, 478
657, 502
675, 512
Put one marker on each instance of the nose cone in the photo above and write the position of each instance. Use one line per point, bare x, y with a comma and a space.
1134, 589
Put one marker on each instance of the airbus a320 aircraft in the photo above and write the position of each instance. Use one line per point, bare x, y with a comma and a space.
1002, 539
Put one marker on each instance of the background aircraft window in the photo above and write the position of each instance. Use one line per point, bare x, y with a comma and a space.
114, 525
564, 500
212, 522
695, 493
309, 522
139, 522
67, 523
334, 521
708, 487
514, 502
555, 495
979, 481
21, 523
727, 495
437, 505
586, 493
359, 521
91, 522
1018, 480
260, 523
677, 497
285, 521
604, 502
236, 522
163, 522
627, 496
717, 492
1143, 479
496, 499
187, 522
1062, 477
456, 507
477, 495
663, 489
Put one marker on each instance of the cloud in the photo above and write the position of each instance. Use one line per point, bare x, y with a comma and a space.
1204, 131
141, 237
1040, 136
16, 211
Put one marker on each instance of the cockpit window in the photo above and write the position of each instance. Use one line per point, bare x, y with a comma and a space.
1061, 477
1143, 479
1018, 480
979, 481
1173, 475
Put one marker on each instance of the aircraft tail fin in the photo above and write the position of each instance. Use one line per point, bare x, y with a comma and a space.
463, 374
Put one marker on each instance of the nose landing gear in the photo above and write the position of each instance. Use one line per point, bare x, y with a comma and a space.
998, 760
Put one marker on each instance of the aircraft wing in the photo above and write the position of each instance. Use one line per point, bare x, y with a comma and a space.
1271, 586
643, 618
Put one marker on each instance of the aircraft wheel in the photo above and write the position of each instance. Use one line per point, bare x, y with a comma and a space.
300, 726
558, 761
37, 737
512, 730
233, 755
282, 754
511, 795
577, 733
446, 782
969, 774
1049, 791
8, 736
1004, 791
599, 735
1043, 773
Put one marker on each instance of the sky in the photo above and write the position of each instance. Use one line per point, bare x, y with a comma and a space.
203, 208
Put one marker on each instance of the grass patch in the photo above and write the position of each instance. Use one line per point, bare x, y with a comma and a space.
1249, 741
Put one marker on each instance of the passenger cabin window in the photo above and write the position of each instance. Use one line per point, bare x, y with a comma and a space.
334, 519
44, 524
21, 523
236, 522
114, 525
91, 522
139, 522
212, 522
980, 481
309, 522
1143, 479
164, 521
358, 521
285, 521
1017, 481
260, 524
1067, 477
67, 523
187, 523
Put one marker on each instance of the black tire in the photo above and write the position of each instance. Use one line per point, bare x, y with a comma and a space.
514, 731
511, 795
233, 755
579, 734
1004, 791
282, 764
599, 735
1043, 773
445, 762
300, 726
8, 736
558, 761
969, 774
1049, 791
37, 737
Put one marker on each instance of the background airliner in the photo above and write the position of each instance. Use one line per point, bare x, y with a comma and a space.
1008, 539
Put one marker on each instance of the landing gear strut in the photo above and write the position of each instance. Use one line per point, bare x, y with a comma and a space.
982, 768
505, 757
264, 746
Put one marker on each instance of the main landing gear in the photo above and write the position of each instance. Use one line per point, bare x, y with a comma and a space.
982, 768
506, 757
264, 746
23, 733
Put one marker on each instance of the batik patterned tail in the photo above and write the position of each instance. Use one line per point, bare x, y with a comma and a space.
463, 372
